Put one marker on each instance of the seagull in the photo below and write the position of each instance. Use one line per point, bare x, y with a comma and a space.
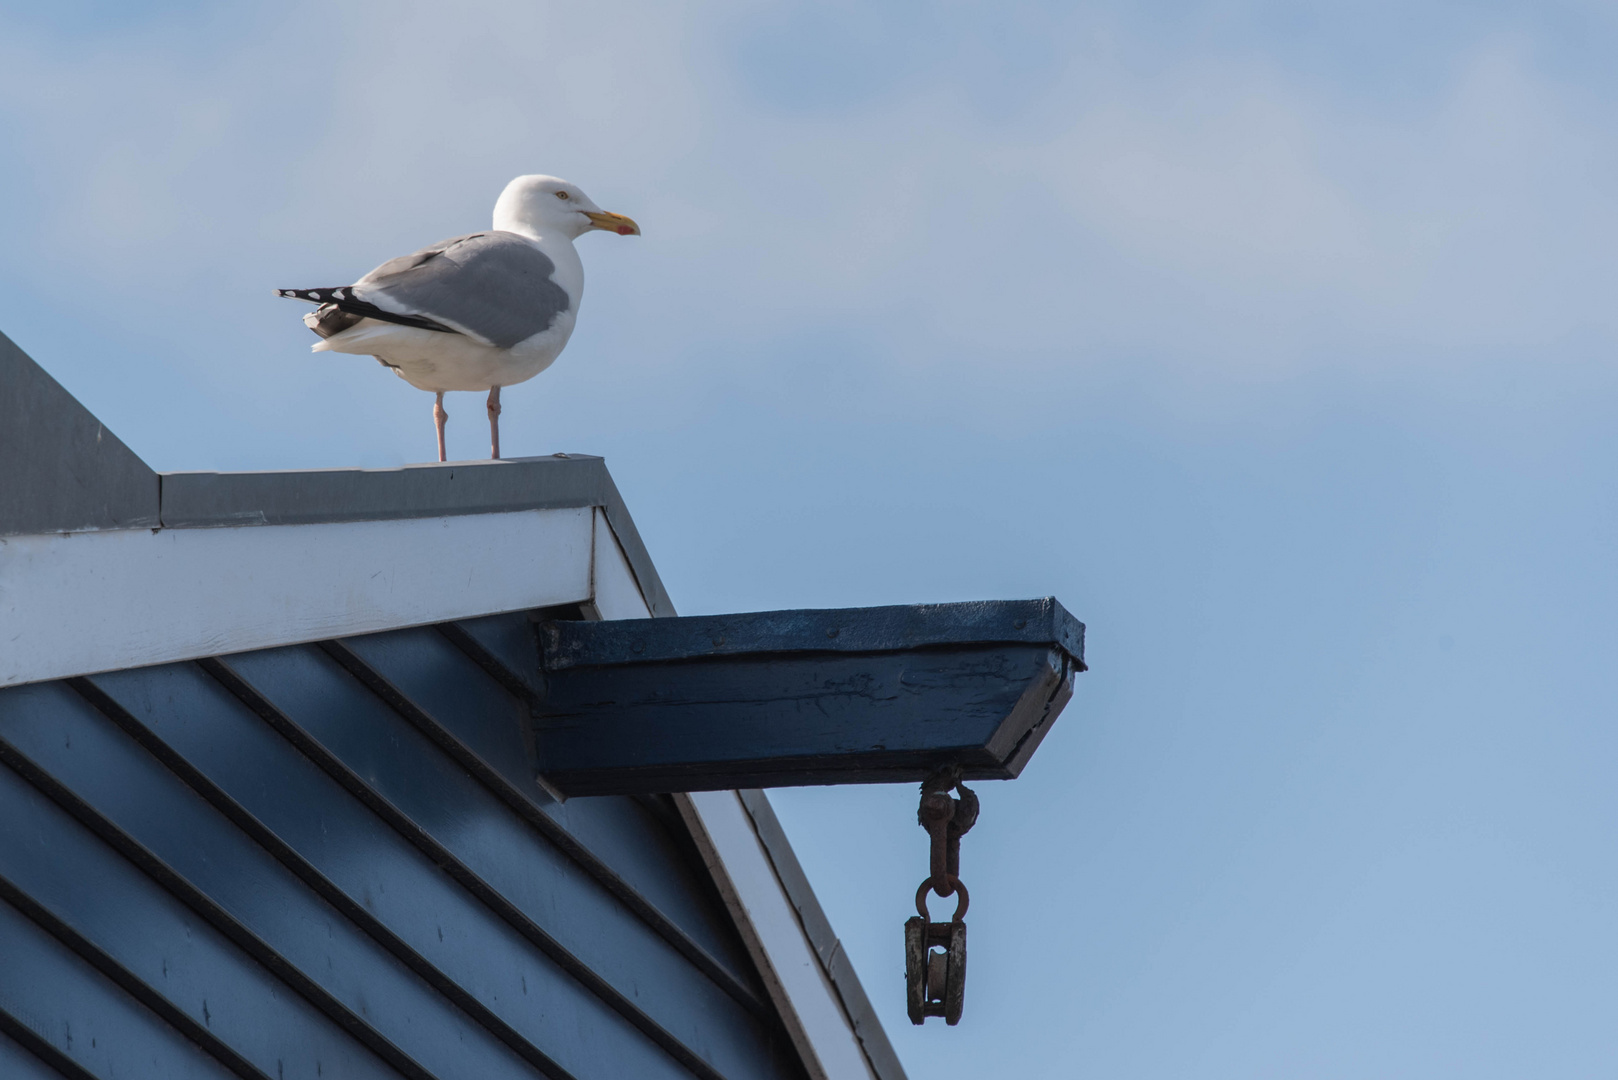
474, 312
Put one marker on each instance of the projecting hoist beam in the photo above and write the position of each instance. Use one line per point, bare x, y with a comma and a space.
788, 698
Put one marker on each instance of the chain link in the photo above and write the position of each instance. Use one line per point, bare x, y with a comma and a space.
946, 820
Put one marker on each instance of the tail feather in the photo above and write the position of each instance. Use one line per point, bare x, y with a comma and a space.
343, 299
329, 319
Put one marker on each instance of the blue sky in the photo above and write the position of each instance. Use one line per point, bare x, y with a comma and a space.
1275, 340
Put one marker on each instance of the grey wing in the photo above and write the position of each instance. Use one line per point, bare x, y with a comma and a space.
495, 286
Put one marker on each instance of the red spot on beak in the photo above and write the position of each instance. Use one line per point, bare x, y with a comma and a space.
624, 230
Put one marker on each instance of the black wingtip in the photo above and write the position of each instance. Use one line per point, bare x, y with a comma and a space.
337, 294
342, 298
313, 296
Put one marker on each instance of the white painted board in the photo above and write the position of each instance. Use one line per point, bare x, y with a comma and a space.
613, 589
804, 995
77, 603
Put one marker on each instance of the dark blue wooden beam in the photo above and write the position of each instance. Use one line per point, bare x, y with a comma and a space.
788, 698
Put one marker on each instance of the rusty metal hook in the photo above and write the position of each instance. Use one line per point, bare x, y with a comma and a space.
936, 812
946, 820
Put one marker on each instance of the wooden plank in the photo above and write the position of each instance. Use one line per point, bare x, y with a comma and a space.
625, 641
160, 952
18, 1064
444, 695
772, 699
397, 893
86, 602
213, 853
82, 1019
409, 781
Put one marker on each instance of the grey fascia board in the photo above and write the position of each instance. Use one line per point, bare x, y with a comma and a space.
867, 1027
192, 500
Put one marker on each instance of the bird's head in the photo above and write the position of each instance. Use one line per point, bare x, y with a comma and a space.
541, 205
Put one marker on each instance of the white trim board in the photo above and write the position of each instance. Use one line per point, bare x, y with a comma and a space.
802, 991
614, 592
78, 603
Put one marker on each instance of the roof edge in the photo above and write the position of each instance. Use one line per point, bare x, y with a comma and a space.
69, 474
204, 500
873, 1038
634, 549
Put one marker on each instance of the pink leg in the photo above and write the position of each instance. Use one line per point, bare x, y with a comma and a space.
439, 416
494, 423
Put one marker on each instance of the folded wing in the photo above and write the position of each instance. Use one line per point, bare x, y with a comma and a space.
492, 286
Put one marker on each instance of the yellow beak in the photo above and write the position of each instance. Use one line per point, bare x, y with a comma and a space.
600, 219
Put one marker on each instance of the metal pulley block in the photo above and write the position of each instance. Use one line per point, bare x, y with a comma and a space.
935, 961
935, 952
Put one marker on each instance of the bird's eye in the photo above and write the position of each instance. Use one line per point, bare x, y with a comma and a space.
561, 194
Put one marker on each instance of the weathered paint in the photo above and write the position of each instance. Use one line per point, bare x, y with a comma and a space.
783, 698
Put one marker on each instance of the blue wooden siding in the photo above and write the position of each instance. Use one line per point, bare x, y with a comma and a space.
333, 861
